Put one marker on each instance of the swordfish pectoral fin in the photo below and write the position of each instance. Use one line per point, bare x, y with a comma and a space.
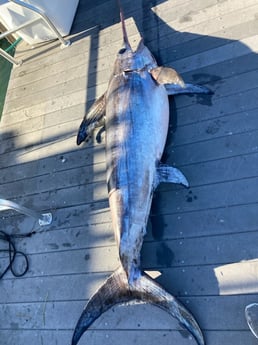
116, 290
95, 117
176, 89
166, 173
167, 75
174, 83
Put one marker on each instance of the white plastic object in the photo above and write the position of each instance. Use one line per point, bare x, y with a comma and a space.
60, 12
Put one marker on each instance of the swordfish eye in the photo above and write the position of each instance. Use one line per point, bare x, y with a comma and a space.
122, 51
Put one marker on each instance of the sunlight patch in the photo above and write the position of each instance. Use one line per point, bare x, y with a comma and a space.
238, 278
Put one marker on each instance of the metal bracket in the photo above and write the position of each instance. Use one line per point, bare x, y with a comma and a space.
43, 15
43, 218
9, 58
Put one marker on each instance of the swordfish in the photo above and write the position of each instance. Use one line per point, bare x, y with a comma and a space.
135, 114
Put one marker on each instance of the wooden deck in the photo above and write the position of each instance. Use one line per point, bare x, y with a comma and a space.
203, 240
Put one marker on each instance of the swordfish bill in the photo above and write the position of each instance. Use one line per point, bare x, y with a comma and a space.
135, 112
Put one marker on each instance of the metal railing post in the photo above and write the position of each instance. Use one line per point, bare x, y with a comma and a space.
9, 58
39, 11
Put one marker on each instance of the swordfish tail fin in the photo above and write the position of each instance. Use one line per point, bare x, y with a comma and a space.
116, 290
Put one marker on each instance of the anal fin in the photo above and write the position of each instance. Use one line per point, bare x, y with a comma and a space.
116, 290
168, 174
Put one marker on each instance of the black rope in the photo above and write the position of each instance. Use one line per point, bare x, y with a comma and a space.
13, 252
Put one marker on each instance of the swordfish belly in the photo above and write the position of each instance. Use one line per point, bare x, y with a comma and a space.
137, 115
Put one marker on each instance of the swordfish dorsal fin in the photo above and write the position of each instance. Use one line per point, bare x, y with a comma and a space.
174, 83
95, 117
116, 290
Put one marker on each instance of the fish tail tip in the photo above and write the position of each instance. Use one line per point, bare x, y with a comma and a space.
82, 325
76, 336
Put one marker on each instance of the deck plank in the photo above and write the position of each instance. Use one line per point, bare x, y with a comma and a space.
210, 280
135, 336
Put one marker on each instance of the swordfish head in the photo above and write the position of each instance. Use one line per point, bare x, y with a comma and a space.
129, 60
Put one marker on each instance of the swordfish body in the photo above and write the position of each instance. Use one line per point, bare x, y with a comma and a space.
135, 112
137, 116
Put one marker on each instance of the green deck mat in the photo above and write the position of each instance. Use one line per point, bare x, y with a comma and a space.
5, 71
